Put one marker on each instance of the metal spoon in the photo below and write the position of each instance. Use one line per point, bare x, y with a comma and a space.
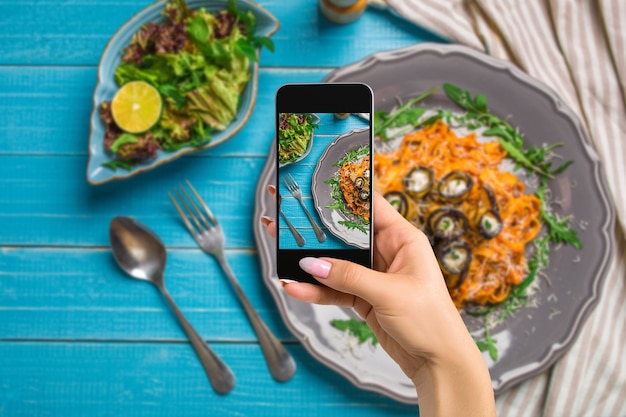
141, 254
299, 239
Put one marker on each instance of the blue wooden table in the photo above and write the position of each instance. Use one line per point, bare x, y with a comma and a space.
79, 338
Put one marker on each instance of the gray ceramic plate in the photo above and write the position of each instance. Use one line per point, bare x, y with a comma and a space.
322, 193
534, 338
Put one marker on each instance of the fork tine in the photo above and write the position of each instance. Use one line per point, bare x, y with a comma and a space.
183, 216
294, 183
197, 210
289, 182
190, 212
206, 208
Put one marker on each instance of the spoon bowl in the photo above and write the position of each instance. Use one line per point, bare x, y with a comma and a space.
137, 250
141, 254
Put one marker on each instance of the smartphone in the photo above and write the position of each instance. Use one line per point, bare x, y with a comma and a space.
324, 176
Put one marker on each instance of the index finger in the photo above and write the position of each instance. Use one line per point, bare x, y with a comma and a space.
392, 232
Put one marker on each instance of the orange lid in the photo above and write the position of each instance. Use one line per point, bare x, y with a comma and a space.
335, 12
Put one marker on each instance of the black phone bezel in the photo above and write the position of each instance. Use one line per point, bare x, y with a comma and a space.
321, 98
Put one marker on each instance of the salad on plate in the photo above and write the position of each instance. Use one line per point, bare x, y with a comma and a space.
197, 64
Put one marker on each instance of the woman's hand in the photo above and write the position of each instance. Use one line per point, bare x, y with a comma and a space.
406, 303
268, 222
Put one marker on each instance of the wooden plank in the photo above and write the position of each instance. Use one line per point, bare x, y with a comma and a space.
37, 38
164, 379
82, 294
47, 201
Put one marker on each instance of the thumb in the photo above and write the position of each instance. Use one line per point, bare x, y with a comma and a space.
348, 277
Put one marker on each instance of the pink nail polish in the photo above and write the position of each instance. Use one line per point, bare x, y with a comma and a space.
316, 267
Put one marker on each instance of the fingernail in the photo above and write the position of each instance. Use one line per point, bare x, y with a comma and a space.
266, 220
316, 267
285, 281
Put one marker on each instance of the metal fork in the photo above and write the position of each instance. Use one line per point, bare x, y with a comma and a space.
208, 233
299, 238
295, 191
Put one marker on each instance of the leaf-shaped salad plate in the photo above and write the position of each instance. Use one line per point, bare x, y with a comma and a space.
106, 87
315, 120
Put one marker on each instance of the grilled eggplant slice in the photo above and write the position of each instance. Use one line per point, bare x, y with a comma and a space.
489, 224
418, 183
364, 194
455, 187
487, 199
405, 206
485, 217
454, 259
446, 223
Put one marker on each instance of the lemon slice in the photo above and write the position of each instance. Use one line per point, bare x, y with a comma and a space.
136, 107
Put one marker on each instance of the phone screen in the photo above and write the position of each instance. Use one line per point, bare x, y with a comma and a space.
324, 175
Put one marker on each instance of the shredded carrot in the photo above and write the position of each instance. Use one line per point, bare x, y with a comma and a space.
498, 263
348, 173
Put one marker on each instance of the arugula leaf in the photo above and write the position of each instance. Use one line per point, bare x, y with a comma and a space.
246, 49
481, 103
118, 163
519, 156
259, 41
123, 139
248, 19
559, 230
356, 328
198, 29
351, 224
532, 159
455, 93
488, 344
353, 155
406, 115
172, 92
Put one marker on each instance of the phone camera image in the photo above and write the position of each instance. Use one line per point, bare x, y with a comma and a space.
324, 177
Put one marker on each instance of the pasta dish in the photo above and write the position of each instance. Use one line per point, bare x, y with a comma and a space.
476, 214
